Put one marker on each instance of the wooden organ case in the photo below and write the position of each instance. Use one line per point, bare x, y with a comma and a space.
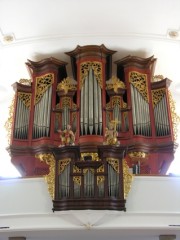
87, 133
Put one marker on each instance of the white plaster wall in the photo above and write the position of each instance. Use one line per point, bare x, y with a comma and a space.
153, 208
147, 195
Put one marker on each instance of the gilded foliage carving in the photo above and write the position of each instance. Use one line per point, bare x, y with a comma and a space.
138, 154
84, 70
25, 81
94, 156
25, 98
62, 164
157, 95
116, 100
127, 177
174, 116
100, 179
77, 179
114, 83
114, 163
42, 84
139, 81
49, 159
66, 85
9, 122
66, 102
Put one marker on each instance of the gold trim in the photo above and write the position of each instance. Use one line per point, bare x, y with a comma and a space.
66, 85
139, 81
174, 116
127, 177
84, 69
49, 159
42, 84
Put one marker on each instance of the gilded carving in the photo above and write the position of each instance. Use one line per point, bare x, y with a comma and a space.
114, 83
93, 155
127, 177
157, 95
25, 98
42, 84
124, 105
174, 116
157, 78
62, 164
116, 100
25, 81
84, 70
66, 102
9, 122
139, 81
138, 154
114, 163
49, 159
100, 179
77, 179
66, 85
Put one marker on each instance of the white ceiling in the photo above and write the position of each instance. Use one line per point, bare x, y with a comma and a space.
45, 28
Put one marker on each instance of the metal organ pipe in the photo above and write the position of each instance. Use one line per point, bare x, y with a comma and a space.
140, 113
96, 111
21, 120
91, 98
161, 118
42, 115
91, 106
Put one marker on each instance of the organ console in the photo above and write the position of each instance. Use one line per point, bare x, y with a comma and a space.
91, 172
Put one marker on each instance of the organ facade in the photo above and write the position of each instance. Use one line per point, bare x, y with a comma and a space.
120, 124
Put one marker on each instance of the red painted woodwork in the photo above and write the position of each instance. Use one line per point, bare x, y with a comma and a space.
159, 149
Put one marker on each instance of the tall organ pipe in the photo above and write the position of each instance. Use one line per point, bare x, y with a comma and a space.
91, 106
21, 120
42, 115
140, 112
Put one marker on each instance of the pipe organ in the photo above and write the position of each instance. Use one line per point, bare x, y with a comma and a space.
128, 106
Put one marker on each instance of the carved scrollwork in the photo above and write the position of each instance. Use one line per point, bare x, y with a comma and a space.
128, 177
62, 164
139, 81
114, 163
42, 84
157, 95
9, 122
66, 85
114, 83
84, 69
25, 81
25, 98
138, 154
66, 102
94, 156
174, 116
49, 159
